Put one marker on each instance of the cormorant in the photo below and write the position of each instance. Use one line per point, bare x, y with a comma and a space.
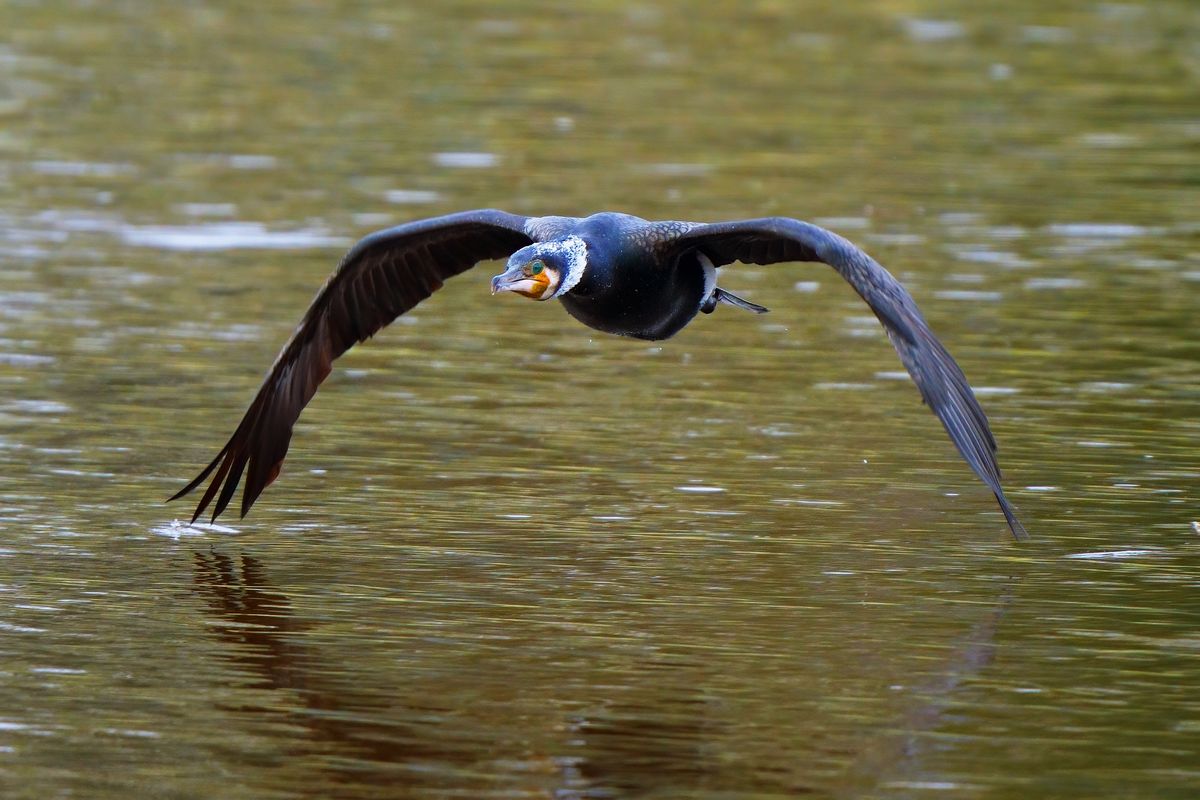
613, 272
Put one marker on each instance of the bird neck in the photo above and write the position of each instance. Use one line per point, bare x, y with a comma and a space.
575, 260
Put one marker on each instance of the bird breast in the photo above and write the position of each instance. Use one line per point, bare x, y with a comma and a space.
642, 299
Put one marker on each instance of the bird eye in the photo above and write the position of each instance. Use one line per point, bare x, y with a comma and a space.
536, 268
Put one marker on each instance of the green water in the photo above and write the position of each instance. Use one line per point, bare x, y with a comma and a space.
512, 558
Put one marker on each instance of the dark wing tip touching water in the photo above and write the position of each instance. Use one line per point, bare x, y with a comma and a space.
382, 277
938, 377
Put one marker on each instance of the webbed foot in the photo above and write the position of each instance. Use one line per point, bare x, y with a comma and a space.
719, 295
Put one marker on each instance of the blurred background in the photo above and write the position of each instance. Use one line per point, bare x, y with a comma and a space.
509, 557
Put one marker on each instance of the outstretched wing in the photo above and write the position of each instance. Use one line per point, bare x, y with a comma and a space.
940, 380
383, 276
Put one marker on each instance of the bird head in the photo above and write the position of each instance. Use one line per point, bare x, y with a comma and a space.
544, 270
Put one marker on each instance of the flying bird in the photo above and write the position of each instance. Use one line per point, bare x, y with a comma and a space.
613, 272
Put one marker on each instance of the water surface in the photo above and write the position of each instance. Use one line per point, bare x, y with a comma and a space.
510, 557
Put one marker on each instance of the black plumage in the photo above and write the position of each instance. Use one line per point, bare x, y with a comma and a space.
613, 272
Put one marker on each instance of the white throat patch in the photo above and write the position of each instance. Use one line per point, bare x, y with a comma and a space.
574, 253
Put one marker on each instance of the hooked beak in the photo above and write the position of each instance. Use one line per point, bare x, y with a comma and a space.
515, 279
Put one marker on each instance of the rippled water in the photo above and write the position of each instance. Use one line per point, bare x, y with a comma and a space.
512, 558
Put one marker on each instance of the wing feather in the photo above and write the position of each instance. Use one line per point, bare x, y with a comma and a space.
383, 276
938, 377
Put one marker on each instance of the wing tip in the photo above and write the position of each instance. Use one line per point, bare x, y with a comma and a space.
199, 479
1010, 515
220, 481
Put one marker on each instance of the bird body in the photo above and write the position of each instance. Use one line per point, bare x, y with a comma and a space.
613, 272
627, 289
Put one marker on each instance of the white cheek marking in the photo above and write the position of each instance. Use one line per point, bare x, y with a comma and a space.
574, 252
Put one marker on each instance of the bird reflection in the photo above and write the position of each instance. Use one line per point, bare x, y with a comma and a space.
254, 618
358, 744
891, 758
677, 740
624, 749
258, 624
658, 732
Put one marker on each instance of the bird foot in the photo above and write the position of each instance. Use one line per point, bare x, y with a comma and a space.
719, 295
